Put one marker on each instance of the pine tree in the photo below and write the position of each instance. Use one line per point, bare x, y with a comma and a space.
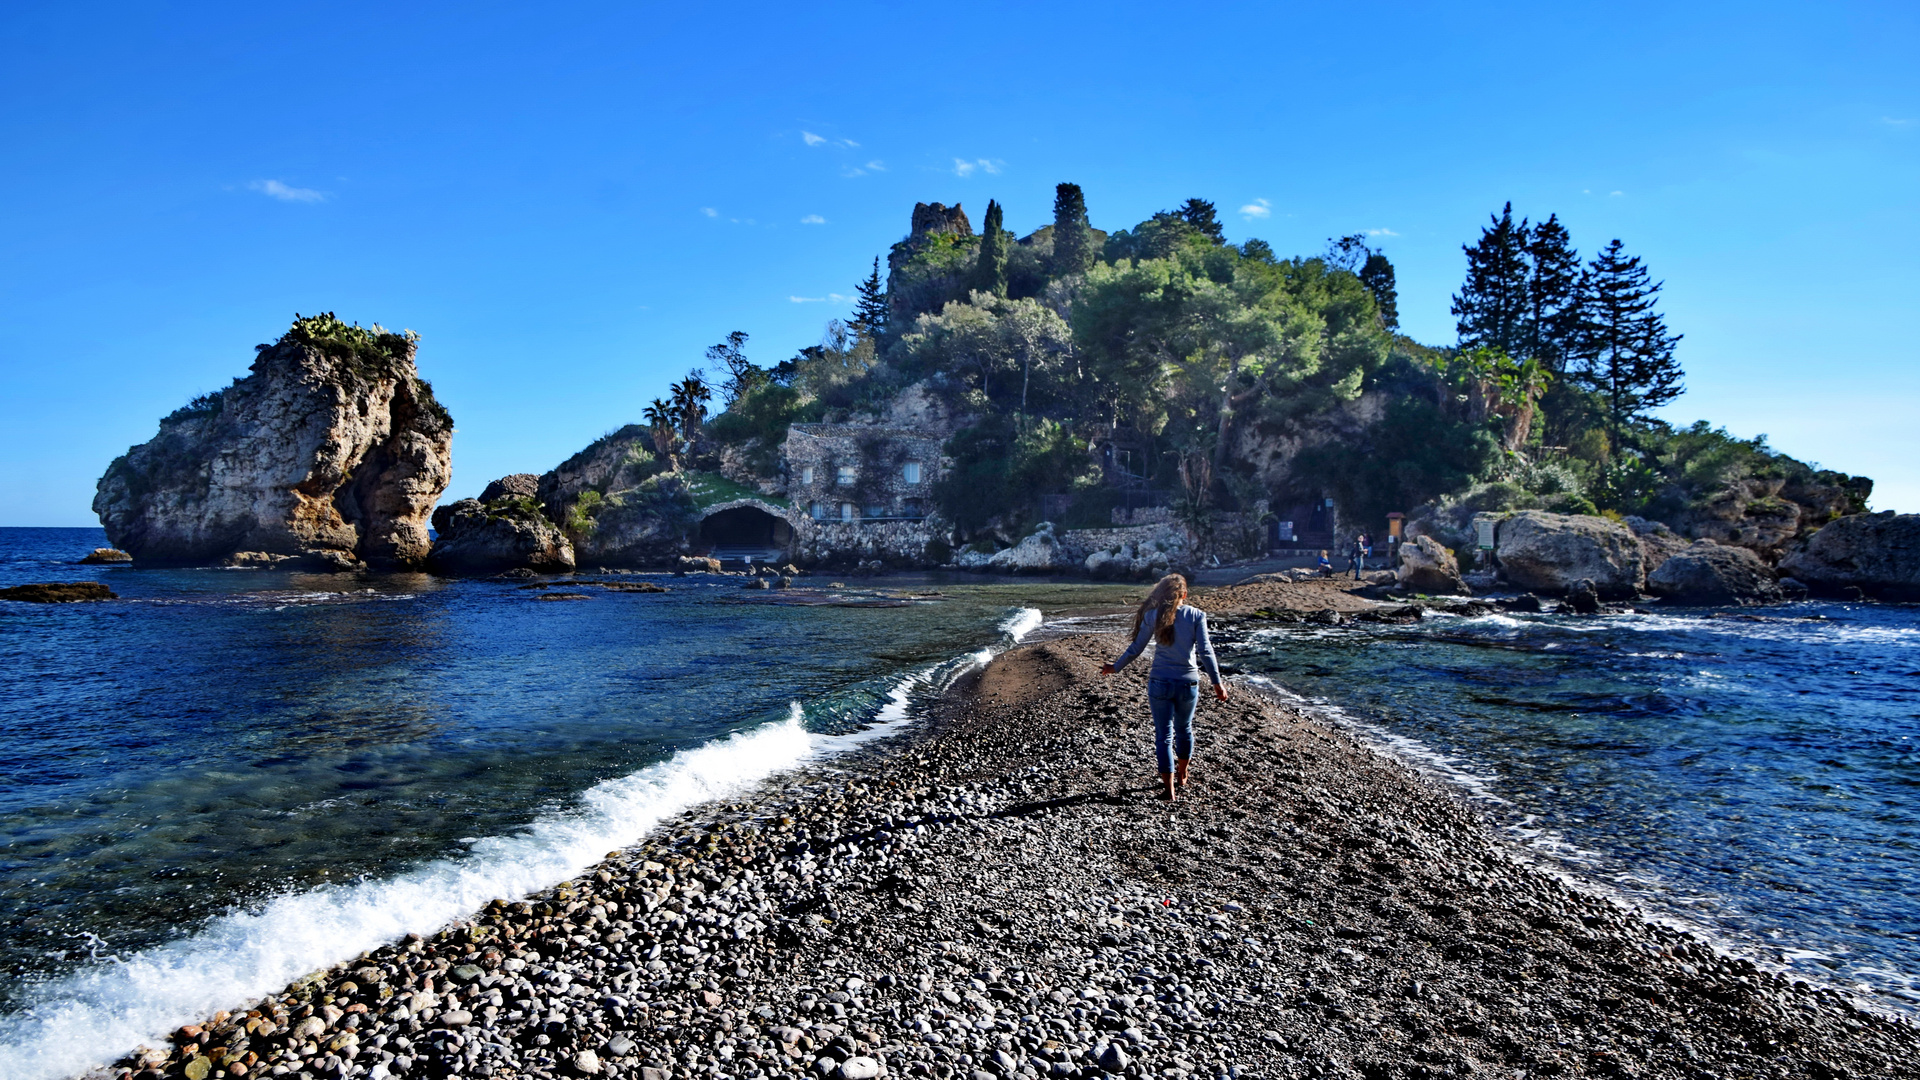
990, 266
1377, 276
1200, 214
1072, 235
1553, 295
870, 312
742, 374
1623, 351
1492, 306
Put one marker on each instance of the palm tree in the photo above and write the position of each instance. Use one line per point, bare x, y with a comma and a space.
690, 397
660, 417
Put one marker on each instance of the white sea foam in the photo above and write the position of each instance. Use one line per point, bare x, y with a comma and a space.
1021, 623
71, 1024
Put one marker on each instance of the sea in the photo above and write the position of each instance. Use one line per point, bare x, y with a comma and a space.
227, 779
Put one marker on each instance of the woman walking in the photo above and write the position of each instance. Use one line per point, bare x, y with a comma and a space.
1181, 649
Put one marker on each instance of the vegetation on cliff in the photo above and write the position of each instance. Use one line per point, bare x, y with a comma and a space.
1212, 375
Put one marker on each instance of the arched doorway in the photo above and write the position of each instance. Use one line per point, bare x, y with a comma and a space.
746, 532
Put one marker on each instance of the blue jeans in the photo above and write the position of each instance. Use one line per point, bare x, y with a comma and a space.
1172, 702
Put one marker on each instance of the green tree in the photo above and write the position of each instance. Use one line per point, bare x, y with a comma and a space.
1347, 253
1377, 276
1554, 290
742, 374
1202, 215
1492, 306
661, 421
689, 399
1073, 249
870, 311
990, 266
1623, 351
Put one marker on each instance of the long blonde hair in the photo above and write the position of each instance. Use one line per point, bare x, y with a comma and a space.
1165, 600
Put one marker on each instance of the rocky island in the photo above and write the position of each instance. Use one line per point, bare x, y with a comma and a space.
331, 454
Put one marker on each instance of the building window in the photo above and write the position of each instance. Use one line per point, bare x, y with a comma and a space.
806, 477
846, 511
844, 475
817, 511
910, 472
875, 510
913, 508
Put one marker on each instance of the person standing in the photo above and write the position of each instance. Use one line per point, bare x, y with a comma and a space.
1181, 649
1357, 555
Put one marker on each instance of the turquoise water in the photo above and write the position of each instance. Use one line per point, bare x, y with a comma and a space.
1752, 772
230, 777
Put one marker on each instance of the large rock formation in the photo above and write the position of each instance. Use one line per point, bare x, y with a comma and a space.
507, 533
333, 449
1876, 553
1710, 573
1427, 567
1552, 552
1041, 553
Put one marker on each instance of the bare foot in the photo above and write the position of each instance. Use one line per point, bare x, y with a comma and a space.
1166, 781
1180, 774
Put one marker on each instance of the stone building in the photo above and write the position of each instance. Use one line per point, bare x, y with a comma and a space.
865, 491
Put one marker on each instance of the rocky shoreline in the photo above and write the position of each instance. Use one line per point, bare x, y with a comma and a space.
1000, 894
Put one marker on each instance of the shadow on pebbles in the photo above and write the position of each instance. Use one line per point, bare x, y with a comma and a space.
1003, 895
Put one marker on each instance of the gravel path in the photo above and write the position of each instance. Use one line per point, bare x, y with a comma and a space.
1003, 895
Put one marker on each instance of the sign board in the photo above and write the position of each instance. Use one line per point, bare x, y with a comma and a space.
1483, 528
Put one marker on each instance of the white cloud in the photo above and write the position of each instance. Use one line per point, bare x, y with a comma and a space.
1610, 194
813, 219
1894, 121
1257, 209
274, 189
709, 211
830, 298
812, 139
1381, 232
964, 168
877, 166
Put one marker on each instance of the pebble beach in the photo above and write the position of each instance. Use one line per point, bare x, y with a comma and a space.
1001, 893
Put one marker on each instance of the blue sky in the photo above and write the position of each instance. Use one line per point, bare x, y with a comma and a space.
570, 201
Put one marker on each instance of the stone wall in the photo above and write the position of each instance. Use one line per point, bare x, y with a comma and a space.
897, 543
1081, 543
862, 472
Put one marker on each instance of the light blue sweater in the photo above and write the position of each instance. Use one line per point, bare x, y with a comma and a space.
1182, 660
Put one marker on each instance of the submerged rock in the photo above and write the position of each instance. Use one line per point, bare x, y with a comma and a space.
58, 592
107, 555
1879, 554
1552, 552
333, 444
1710, 573
1428, 567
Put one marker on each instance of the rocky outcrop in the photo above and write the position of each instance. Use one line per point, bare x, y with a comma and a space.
1710, 573
1658, 543
1766, 514
332, 446
1878, 554
507, 534
1041, 553
106, 556
1128, 562
696, 564
522, 485
1427, 567
1550, 553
